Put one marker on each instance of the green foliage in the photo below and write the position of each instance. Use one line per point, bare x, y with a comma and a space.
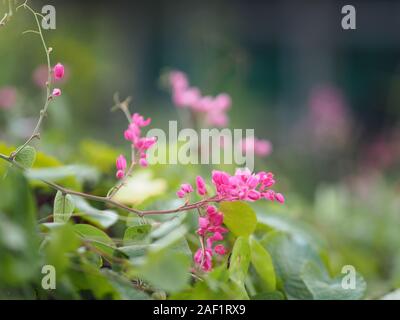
63, 207
262, 262
26, 156
239, 217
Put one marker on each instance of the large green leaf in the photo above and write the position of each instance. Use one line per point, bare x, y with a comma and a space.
289, 258
239, 263
262, 262
323, 287
63, 207
239, 217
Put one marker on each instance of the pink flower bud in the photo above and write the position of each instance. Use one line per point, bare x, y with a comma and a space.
56, 92
211, 210
220, 249
121, 163
201, 186
187, 188
120, 174
58, 71
203, 222
280, 198
180, 194
143, 162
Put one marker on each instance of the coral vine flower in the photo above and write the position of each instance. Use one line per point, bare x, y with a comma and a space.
211, 230
262, 148
133, 134
56, 92
243, 185
184, 96
121, 166
58, 71
201, 186
185, 188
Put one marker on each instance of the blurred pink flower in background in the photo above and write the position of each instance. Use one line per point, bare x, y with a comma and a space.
262, 148
8, 97
213, 108
328, 118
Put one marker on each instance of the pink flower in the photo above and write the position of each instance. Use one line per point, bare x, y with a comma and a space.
180, 194
218, 119
184, 96
220, 249
223, 102
140, 121
143, 162
203, 258
56, 92
120, 174
185, 188
134, 134
201, 186
260, 147
279, 197
8, 97
121, 163
203, 223
178, 80
58, 71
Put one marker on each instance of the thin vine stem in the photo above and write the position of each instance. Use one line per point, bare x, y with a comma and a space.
43, 112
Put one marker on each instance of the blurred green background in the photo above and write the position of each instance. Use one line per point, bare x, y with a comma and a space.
327, 99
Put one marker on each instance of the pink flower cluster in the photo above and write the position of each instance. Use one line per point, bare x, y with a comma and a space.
245, 185
184, 96
141, 144
133, 134
260, 147
58, 73
211, 230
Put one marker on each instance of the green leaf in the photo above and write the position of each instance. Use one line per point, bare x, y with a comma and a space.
101, 218
63, 207
323, 287
298, 229
263, 264
239, 217
167, 270
240, 261
289, 257
96, 237
26, 157
60, 241
137, 234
